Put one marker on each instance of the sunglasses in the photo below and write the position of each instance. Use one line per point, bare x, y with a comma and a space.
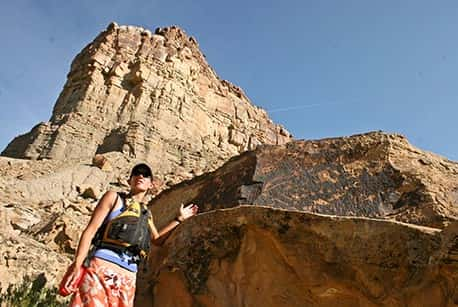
140, 171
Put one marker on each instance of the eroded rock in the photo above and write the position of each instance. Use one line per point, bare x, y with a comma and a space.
153, 98
373, 175
249, 256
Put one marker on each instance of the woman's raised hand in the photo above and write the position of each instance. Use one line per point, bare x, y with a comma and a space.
188, 211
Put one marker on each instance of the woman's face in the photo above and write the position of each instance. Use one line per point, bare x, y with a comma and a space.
138, 183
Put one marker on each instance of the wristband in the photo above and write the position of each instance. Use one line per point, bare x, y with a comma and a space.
177, 219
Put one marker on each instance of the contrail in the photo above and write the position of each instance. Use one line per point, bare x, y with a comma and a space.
302, 107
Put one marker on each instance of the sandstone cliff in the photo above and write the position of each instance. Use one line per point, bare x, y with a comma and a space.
151, 96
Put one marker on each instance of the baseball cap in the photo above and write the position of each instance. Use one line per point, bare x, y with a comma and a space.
142, 169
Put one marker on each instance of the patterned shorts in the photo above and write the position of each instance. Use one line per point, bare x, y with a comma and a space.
105, 284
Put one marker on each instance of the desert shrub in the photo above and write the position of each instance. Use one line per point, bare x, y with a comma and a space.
31, 293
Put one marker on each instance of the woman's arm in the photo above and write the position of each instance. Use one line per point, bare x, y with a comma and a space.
102, 209
158, 237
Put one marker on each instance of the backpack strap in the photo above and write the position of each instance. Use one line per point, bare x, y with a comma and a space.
96, 240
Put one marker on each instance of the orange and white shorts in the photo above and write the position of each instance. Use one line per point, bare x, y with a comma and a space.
105, 284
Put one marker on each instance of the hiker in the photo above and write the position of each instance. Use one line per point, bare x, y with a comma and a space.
109, 279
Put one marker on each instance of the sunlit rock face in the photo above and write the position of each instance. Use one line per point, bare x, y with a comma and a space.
151, 96
250, 256
366, 220
373, 175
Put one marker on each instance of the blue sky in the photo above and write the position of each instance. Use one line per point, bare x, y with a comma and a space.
321, 68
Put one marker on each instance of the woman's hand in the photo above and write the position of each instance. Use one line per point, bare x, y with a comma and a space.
187, 212
72, 274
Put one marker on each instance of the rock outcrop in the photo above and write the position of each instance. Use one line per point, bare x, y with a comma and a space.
259, 256
371, 175
151, 96
313, 223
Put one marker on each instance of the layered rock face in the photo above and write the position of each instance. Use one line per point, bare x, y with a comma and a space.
372, 175
258, 256
258, 243
152, 97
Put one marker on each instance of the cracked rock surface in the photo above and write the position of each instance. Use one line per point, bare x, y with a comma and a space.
250, 255
372, 175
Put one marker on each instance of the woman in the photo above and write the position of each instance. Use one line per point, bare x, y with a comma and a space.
110, 278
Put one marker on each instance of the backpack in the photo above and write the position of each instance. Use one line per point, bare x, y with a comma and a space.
129, 232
